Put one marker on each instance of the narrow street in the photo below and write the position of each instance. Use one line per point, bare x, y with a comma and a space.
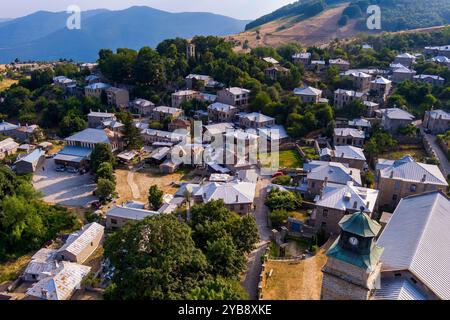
444, 163
254, 264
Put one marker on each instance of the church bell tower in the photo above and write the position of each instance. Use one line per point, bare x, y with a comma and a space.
353, 268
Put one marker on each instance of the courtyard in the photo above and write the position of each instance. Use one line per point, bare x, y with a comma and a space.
68, 189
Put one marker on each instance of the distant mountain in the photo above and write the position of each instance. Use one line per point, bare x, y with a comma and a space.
44, 36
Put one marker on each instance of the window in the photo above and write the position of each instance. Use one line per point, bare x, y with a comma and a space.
325, 213
413, 188
92, 244
413, 280
394, 197
397, 274
113, 221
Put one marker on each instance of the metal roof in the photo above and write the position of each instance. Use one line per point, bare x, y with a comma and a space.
231, 193
130, 213
257, 117
360, 224
33, 156
398, 289
6, 126
367, 262
417, 239
81, 239
332, 171
436, 114
90, 135
407, 169
396, 113
349, 152
222, 107
307, 91
381, 80
76, 151
8, 144
347, 197
98, 85
61, 284
345, 132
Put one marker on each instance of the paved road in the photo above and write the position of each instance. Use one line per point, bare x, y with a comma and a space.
444, 163
254, 264
70, 189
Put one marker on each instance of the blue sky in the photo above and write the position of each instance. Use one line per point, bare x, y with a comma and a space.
240, 9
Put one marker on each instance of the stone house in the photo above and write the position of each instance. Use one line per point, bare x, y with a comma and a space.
118, 97
81, 244
162, 112
255, 120
436, 121
394, 118
308, 94
319, 173
343, 97
221, 112
237, 97
397, 179
348, 136
183, 95
337, 200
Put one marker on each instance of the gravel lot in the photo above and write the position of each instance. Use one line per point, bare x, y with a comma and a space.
69, 189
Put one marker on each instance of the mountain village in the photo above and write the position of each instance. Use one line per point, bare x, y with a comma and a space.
349, 207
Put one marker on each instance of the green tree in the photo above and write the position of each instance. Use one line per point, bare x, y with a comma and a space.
131, 135
161, 261
219, 289
282, 199
224, 258
105, 188
278, 217
155, 197
101, 153
105, 171
71, 124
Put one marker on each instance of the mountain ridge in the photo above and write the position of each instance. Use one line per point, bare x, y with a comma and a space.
133, 27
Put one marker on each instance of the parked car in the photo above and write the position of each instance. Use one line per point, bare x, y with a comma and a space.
60, 169
72, 170
277, 174
95, 204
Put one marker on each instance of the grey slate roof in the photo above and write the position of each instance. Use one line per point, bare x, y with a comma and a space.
417, 239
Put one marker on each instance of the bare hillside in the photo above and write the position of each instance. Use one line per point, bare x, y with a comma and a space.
317, 30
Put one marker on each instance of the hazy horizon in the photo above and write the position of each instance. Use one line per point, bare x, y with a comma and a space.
238, 9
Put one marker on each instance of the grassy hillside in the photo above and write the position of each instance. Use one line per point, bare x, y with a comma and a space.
301, 9
396, 15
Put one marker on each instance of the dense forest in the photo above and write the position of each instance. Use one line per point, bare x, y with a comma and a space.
26, 222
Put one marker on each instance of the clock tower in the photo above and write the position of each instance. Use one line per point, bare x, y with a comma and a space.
353, 268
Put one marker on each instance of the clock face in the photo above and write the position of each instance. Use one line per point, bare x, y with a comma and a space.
353, 241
